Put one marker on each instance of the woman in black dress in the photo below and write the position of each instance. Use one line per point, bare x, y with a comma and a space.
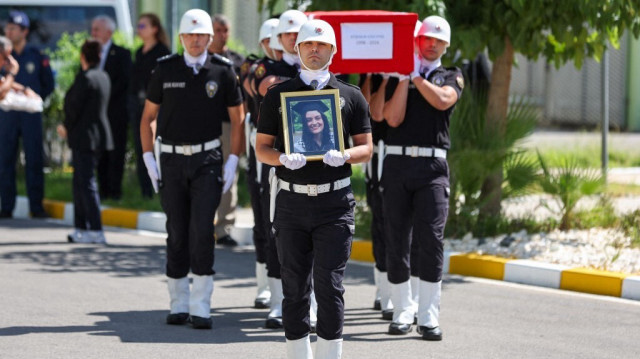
88, 132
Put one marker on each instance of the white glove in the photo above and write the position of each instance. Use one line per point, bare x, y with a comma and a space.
335, 158
152, 169
293, 161
416, 66
229, 172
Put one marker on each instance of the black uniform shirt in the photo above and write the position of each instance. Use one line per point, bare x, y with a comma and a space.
268, 67
378, 129
245, 74
423, 124
237, 60
355, 120
143, 67
193, 106
35, 70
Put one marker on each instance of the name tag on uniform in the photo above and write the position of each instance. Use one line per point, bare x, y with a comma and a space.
173, 85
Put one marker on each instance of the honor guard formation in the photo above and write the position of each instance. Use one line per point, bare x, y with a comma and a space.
301, 128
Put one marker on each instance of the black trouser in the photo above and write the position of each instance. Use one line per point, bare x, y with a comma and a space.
374, 200
86, 203
146, 188
273, 262
415, 195
313, 235
190, 193
259, 226
13, 125
111, 163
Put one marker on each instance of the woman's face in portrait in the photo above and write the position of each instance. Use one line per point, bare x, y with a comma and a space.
314, 122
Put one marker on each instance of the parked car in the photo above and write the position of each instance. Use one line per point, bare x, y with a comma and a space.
50, 18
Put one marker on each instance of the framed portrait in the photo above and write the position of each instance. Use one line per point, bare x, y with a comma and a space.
312, 122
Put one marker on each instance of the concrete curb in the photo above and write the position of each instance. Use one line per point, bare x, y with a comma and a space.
529, 272
548, 275
119, 217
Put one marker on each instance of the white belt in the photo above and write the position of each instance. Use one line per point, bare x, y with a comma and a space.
314, 189
189, 150
415, 151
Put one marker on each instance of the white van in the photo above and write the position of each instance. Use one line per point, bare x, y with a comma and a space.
50, 18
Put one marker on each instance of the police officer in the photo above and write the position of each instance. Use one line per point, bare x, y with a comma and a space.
373, 88
254, 168
314, 220
34, 73
416, 196
189, 93
267, 73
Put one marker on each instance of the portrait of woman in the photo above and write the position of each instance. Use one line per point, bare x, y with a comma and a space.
316, 128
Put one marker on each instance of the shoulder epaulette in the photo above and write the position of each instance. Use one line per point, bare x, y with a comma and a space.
253, 57
278, 84
221, 59
348, 84
167, 57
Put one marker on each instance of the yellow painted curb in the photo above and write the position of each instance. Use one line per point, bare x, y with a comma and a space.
362, 251
592, 281
120, 218
55, 209
476, 265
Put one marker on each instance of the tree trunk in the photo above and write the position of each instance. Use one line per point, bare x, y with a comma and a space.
498, 104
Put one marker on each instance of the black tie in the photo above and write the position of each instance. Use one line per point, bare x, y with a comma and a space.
314, 84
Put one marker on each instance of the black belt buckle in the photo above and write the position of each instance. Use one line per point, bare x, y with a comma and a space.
433, 152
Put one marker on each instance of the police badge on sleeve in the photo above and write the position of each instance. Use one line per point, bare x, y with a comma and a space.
212, 88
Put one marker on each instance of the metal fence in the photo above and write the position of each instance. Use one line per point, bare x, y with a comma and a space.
573, 97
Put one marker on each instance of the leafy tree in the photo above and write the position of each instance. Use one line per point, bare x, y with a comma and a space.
559, 30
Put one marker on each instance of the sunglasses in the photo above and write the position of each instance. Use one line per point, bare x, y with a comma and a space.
141, 26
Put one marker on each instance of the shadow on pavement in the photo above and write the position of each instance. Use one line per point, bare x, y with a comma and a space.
119, 261
230, 325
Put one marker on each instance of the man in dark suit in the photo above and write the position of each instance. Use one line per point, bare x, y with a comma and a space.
116, 62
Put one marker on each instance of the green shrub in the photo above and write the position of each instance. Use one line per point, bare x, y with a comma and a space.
568, 184
630, 224
478, 149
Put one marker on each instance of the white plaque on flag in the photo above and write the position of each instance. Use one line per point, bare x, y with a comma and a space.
368, 40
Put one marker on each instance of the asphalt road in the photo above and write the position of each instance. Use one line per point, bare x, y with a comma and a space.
62, 300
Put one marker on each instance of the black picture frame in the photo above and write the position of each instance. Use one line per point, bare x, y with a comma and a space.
303, 131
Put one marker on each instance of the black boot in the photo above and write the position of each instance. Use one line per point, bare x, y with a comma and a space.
399, 328
387, 314
433, 334
273, 323
261, 303
177, 318
200, 322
